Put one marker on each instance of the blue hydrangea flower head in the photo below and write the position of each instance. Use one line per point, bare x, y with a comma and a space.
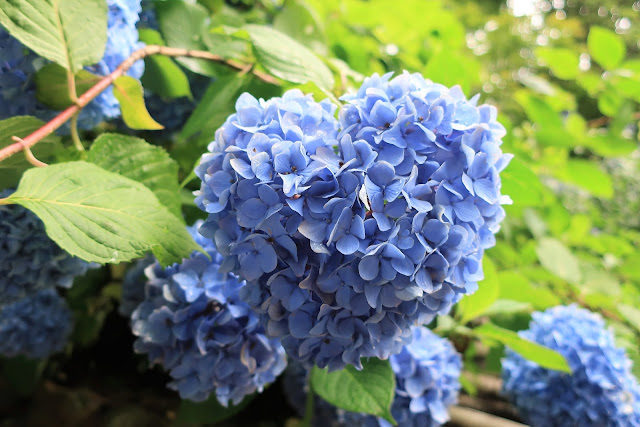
30, 259
36, 326
18, 66
601, 391
427, 382
348, 238
193, 323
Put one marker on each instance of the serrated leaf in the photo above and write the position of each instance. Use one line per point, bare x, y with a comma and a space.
543, 356
11, 169
183, 25
555, 257
606, 47
472, 306
128, 92
287, 59
368, 391
52, 88
136, 159
161, 74
72, 33
215, 106
101, 216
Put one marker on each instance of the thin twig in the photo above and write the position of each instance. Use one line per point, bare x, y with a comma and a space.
75, 136
486, 384
465, 417
601, 121
32, 159
106, 81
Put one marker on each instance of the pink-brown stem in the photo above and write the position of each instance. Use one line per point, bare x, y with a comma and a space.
106, 81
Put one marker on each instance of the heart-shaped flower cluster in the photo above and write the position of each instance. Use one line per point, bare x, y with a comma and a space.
349, 232
193, 322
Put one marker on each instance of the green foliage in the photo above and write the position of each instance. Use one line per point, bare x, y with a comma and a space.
208, 412
71, 33
606, 47
477, 304
369, 391
52, 87
101, 216
128, 92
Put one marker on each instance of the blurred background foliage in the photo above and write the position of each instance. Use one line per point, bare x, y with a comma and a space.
564, 74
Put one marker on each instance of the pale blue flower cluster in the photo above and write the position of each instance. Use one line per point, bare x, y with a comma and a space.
601, 391
30, 260
35, 326
427, 375
350, 232
193, 323
18, 66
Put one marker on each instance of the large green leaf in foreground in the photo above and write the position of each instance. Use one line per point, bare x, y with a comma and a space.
101, 216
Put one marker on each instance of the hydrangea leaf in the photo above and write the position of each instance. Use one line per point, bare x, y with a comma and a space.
52, 89
369, 391
128, 92
11, 169
183, 25
301, 22
587, 175
72, 33
101, 216
136, 159
606, 47
287, 59
521, 184
516, 287
530, 350
562, 62
213, 108
161, 74
555, 257
472, 306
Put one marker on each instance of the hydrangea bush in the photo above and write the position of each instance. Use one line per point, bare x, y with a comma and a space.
193, 323
31, 261
601, 391
348, 232
427, 375
35, 326
18, 66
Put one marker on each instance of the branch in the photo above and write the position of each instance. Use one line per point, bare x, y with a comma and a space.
465, 417
601, 121
107, 80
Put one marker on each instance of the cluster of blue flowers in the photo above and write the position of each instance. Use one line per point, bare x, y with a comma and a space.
18, 66
34, 320
427, 382
193, 323
349, 232
35, 326
601, 391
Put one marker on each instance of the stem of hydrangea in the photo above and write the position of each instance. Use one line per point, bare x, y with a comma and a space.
107, 80
309, 409
466, 417
73, 96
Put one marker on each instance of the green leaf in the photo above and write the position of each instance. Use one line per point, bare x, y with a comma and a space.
587, 175
508, 306
472, 306
287, 59
521, 184
52, 89
368, 391
562, 62
128, 92
215, 106
11, 169
183, 25
161, 74
516, 287
72, 33
555, 257
543, 356
606, 47
136, 159
208, 412
610, 145
302, 23
101, 216
631, 315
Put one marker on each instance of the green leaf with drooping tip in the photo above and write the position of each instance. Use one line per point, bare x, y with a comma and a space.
606, 47
101, 216
136, 159
128, 92
368, 391
530, 350
52, 87
72, 33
